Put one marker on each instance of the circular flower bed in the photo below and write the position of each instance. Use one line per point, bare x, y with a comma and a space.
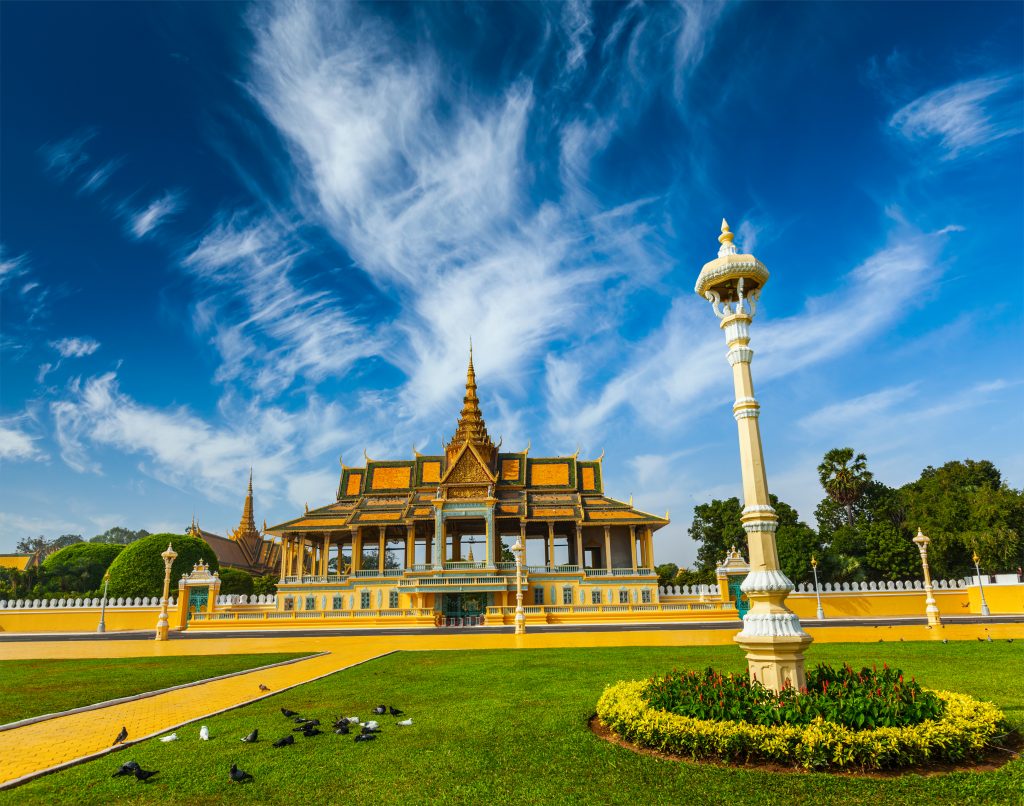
844, 719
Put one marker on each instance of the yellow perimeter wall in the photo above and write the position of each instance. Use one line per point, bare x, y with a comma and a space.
83, 619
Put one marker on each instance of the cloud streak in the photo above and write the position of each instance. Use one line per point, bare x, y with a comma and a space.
75, 347
145, 220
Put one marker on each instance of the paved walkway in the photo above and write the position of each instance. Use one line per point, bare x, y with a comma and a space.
66, 739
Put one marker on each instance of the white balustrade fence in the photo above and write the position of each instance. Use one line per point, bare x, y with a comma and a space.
56, 604
830, 587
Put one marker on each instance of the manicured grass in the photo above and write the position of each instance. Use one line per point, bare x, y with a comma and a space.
35, 687
511, 727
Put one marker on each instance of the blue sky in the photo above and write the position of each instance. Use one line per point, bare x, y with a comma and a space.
263, 235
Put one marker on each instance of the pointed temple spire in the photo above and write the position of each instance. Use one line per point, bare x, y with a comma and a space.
247, 523
725, 239
471, 427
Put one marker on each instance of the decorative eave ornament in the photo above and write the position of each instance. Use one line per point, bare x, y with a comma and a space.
731, 278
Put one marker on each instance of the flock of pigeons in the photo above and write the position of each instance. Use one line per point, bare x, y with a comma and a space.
308, 728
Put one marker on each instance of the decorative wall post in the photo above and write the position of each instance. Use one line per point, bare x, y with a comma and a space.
981, 587
931, 609
102, 626
772, 636
161, 624
520, 619
814, 567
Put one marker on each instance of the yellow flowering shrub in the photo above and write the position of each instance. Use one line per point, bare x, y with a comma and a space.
963, 732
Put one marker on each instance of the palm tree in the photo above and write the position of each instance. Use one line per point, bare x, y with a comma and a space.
844, 477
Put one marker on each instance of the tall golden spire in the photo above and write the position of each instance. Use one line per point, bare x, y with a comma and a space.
471, 427
247, 523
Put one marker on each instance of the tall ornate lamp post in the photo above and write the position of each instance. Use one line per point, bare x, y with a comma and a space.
981, 587
931, 609
161, 624
102, 626
814, 567
772, 636
520, 619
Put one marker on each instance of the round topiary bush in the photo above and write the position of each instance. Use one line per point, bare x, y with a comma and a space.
79, 568
139, 569
845, 718
234, 581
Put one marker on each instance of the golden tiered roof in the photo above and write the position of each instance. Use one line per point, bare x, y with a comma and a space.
564, 488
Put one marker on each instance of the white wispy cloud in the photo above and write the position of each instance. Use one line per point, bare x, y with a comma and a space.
964, 116
181, 449
17, 444
75, 347
577, 27
99, 176
144, 221
853, 412
11, 267
67, 157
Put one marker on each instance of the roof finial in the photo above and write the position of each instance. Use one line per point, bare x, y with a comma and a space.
250, 479
725, 239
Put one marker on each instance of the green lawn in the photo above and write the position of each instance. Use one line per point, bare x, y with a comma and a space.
36, 687
510, 727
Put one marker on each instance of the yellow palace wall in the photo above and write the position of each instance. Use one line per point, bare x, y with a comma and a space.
84, 619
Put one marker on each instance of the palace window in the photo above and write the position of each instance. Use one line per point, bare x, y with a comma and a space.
623, 597
645, 596
289, 603
393, 599
567, 596
336, 603
595, 597
538, 596
310, 603
364, 600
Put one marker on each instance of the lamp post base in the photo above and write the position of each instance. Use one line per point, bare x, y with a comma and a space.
820, 615
776, 661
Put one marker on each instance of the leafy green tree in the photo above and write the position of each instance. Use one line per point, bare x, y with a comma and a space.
79, 568
233, 581
965, 506
889, 552
139, 569
265, 585
45, 546
666, 573
120, 536
844, 475
716, 528
687, 576
796, 544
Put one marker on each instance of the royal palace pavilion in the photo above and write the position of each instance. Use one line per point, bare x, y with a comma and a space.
431, 535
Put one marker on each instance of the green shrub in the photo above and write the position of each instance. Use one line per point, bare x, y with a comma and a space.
234, 581
868, 698
139, 569
964, 731
79, 568
265, 585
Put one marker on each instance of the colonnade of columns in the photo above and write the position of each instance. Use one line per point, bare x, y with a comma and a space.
309, 554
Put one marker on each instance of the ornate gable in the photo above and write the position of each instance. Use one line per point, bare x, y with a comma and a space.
468, 468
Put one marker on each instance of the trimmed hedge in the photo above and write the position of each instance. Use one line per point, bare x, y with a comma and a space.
79, 568
964, 732
139, 569
234, 581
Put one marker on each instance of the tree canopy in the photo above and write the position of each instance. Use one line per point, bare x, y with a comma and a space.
139, 569
79, 568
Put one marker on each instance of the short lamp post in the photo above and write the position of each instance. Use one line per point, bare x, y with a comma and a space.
520, 619
817, 591
931, 609
981, 587
161, 624
102, 626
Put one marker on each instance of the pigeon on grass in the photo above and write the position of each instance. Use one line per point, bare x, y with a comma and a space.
380, 709
144, 775
352, 719
204, 733
128, 768
342, 730
252, 737
365, 737
239, 776
124, 733
405, 722
288, 713
394, 711
373, 724
284, 741
309, 734
172, 738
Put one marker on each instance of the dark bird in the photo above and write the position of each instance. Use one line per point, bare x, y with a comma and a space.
264, 688
394, 711
342, 730
945, 640
981, 640
380, 709
365, 737
1009, 640
299, 720
309, 734
124, 733
252, 737
144, 775
313, 723
127, 768
239, 776
285, 741
286, 712
367, 730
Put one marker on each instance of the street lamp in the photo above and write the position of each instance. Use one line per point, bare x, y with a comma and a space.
520, 619
814, 567
931, 609
772, 636
161, 624
102, 626
981, 587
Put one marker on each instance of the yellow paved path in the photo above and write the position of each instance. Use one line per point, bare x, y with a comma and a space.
63, 740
